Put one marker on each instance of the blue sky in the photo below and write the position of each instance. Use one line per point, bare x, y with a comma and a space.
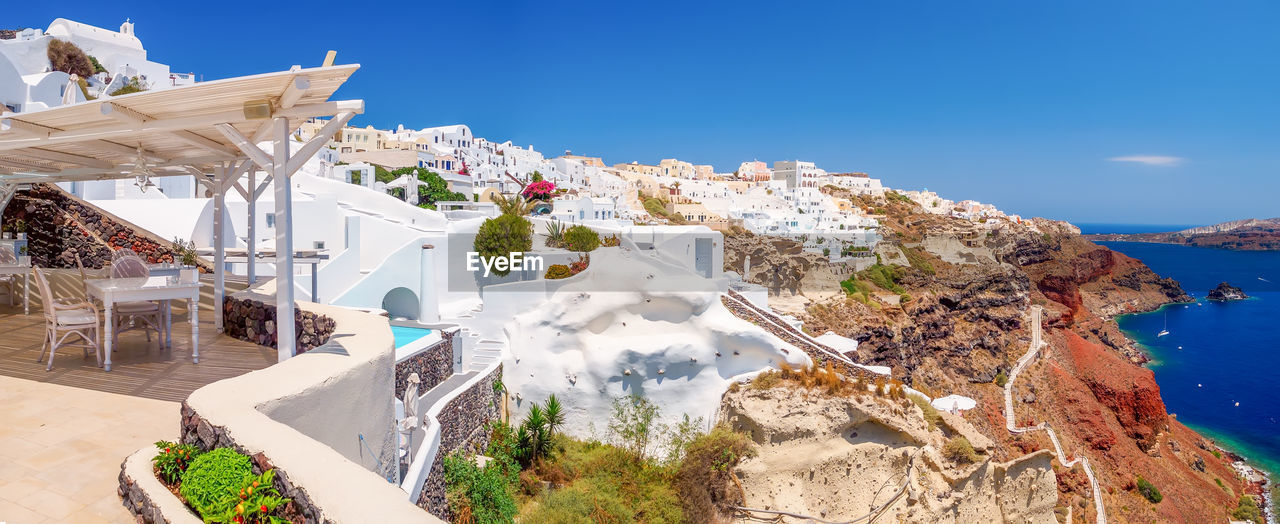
1027, 105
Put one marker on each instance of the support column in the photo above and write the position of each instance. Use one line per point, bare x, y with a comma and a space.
285, 342
220, 173
252, 241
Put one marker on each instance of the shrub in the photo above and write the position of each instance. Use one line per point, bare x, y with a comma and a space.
97, 66
883, 276
255, 502
557, 272
503, 235
209, 485
703, 479
1247, 510
173, 459
959, 450
582, 502
478, 494
581, 238
1149, 491
931, 416
132, 87
69, 58
1001, 378
632, 424
918, 260
610, 241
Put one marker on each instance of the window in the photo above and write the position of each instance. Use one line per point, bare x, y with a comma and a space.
271, 220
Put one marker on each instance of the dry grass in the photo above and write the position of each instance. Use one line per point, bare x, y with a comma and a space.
825, 379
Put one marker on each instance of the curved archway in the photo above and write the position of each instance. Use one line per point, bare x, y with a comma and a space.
401, 303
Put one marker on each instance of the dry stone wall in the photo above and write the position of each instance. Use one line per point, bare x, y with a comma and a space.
60, 226
255, 321
433, 365
464, 428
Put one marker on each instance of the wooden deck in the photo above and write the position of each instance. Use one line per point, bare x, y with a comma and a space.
139, 368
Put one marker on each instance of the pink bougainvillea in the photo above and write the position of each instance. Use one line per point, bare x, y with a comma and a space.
540, 190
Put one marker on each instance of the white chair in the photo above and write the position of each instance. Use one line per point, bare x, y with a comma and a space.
9, 282
145, 315
65, 318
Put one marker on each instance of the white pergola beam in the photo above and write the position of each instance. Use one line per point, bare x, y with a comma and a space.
123, 114
298, 87
312, 146
42, 136
207, 144
68, 158
121, 149
25, 129
249, 148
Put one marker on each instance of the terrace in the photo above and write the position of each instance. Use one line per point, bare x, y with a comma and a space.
321, 420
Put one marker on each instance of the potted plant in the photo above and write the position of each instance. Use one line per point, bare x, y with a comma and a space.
20, 227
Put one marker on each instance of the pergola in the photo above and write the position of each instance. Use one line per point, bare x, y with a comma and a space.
209, 130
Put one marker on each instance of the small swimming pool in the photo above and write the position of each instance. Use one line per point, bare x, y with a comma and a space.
405, 335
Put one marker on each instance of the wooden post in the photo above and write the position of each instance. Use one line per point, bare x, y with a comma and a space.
286, 346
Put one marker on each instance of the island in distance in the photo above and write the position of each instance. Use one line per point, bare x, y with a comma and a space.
1250, 234
1226, 291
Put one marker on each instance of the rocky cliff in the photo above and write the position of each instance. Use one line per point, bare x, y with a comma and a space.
1246, 235
1226, 291
952, 318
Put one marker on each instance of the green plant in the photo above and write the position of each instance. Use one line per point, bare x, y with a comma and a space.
555, 234
557, 272
1149, 491
255, 502
681, 436
513, 205
185, 251
918, 260
554, 414
475, 494
1001, 378
632, 424
931, 416
501, 236
134, 86
883, 276
959, 450
97, 66
1247, 510
704, 476
581, 238
610, 241
172, 460
1217, 454
209, 485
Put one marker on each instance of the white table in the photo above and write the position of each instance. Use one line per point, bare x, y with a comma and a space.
112, 290
25, 270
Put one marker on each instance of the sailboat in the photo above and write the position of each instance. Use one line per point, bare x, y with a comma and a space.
1164, 331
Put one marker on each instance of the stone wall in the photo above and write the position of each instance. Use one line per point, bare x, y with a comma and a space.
464, 428
255, 321
433, 364
59, 226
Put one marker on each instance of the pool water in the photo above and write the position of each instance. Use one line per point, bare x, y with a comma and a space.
405, 335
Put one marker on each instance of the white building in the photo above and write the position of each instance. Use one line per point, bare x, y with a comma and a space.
798, 173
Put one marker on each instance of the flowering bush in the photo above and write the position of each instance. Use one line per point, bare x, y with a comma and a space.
256, 500
579, 265
172, 460
540, 190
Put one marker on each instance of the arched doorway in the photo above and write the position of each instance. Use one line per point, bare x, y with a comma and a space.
401, 303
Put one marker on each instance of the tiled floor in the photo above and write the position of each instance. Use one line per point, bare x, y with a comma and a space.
61, 449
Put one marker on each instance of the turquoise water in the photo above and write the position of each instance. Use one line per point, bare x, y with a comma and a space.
1230, 351
405, 335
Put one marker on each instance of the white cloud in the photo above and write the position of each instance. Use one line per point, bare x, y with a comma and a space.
1150, 160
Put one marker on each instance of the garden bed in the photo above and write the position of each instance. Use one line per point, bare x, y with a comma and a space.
221, 485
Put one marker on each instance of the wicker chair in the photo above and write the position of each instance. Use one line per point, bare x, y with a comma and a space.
9, 282
145, 315
66, 318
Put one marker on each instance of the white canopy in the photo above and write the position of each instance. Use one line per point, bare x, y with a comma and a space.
954, 403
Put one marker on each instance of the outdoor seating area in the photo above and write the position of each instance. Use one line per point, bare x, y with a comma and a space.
154, 358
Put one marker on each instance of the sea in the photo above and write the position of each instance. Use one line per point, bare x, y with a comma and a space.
1219, 366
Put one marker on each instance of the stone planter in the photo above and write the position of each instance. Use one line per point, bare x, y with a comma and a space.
148, 499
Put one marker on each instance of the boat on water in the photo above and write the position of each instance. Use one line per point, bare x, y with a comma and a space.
1164, 331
